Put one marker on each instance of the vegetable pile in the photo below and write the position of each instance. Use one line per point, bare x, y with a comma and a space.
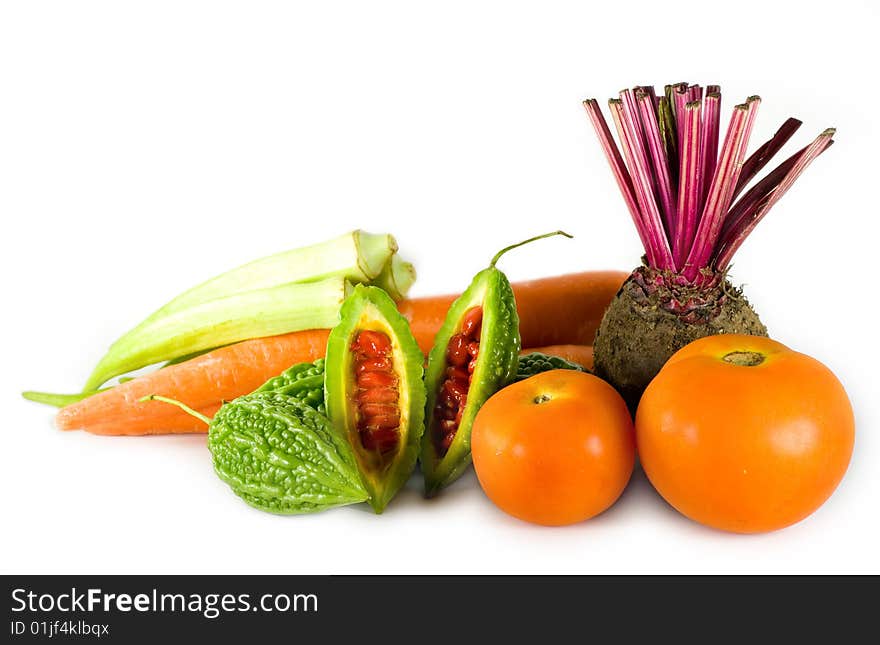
320, 384
278, 450
681, 188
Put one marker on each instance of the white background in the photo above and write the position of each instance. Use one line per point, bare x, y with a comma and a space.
147, 146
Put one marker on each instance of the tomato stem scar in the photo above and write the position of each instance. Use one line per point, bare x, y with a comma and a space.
744, 359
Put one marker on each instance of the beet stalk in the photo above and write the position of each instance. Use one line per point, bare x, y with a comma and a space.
682, 187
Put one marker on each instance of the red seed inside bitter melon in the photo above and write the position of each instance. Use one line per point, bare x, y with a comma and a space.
377, 395
461, 361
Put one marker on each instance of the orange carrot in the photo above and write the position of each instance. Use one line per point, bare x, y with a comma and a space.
560, 310
202, 383
580, 354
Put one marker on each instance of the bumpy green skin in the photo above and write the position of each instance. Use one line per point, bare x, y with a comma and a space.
536, 362
303, 381
382, 478
496, 368
279, 455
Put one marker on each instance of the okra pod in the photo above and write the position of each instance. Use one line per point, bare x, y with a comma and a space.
250, 314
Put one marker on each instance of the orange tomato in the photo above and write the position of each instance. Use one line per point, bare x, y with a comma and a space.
743, 434
554, 449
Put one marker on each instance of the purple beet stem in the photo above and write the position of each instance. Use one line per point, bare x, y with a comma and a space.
762, 156
690, 176
709, 145
738, 236
715, 208
630, 138
659, 163
624, 181
679, 188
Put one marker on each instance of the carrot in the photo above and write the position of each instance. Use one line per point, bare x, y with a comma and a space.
580, 354
202, 383
560, 310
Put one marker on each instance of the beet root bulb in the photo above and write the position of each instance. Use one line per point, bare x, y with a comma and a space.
653, 316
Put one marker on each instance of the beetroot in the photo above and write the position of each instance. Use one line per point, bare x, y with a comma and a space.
683, 192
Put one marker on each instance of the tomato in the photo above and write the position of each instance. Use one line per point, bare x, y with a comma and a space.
554, 449
743, 434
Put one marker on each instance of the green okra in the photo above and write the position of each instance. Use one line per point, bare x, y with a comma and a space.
356, 256
251, 314
290, 291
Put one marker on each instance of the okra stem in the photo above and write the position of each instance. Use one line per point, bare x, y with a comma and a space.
57, 400
396, 277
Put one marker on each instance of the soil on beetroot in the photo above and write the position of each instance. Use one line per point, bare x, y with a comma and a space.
638, 333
